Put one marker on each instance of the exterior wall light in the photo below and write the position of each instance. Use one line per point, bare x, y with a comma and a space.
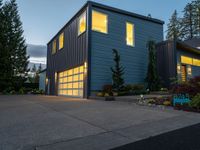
189, 70
179, 69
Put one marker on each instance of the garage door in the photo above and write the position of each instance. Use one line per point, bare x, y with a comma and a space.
70, 82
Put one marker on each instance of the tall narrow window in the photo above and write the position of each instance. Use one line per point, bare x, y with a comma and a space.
99, 22
54, 47
130, 34
61, 41
82, 24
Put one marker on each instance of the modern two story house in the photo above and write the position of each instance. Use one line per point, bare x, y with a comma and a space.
79, 56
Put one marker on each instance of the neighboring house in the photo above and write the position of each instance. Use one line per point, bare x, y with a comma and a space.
42, 80
179, 60
79, 56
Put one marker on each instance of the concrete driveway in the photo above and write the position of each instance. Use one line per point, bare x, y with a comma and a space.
60, 123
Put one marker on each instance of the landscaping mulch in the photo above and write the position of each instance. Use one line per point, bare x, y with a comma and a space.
182, 139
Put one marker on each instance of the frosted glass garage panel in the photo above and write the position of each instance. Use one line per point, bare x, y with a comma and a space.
71, 82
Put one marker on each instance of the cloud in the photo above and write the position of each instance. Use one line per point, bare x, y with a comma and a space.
37, 51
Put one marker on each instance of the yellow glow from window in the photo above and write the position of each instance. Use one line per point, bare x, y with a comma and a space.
129, 34
75, 85
189, 70
76, 70
99, 22
69, 85
81, 76
80, 84
64, 80
82, 24
70, 72
70, 92
186, 60
61, 41
81, 69
196, 62
178, 69
75, 92
75, 78
54, 47
65, 73
71, 81
64, 86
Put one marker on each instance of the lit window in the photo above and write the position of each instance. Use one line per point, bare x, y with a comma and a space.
196, 62
61, 41
130, 34
99, 22
54, 47
186, 60
82, 24
189, 70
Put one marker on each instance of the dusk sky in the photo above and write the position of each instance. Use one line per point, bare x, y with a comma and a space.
42, 19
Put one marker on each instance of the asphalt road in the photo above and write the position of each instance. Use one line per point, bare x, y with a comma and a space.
182, 139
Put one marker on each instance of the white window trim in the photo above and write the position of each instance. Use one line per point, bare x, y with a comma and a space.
127, 22
83, 14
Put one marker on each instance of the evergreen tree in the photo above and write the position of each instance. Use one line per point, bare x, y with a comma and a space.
33, 70
174, 27
196, 5
152, 75
15, 45
117, 73
39, 68
188, 22
5, 57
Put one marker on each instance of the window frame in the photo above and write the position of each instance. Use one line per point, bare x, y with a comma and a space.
106, 22
53, 51
59, 40
79, 18
133, 33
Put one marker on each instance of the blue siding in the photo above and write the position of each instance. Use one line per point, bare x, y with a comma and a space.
195, 69
134, 59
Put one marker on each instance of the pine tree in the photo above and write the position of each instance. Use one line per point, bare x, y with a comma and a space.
152, 75
117, 73
15, 45
196, 5
188, 21
5, 59
33, 70
174, 27
39, 68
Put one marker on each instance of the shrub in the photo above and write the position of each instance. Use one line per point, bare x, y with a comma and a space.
108, 89
167, 103
195, 101
100, 94
133, 89
192, 87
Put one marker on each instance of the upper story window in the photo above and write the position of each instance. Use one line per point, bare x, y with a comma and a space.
82, 24
61, 41
130, 34
99, 22
54, 47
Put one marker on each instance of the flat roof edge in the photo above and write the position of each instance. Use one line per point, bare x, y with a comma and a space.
109, 8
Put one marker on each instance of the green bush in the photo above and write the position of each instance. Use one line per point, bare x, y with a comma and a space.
108, 89
195, 103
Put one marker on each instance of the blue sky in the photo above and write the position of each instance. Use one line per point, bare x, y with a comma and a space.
43, 18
